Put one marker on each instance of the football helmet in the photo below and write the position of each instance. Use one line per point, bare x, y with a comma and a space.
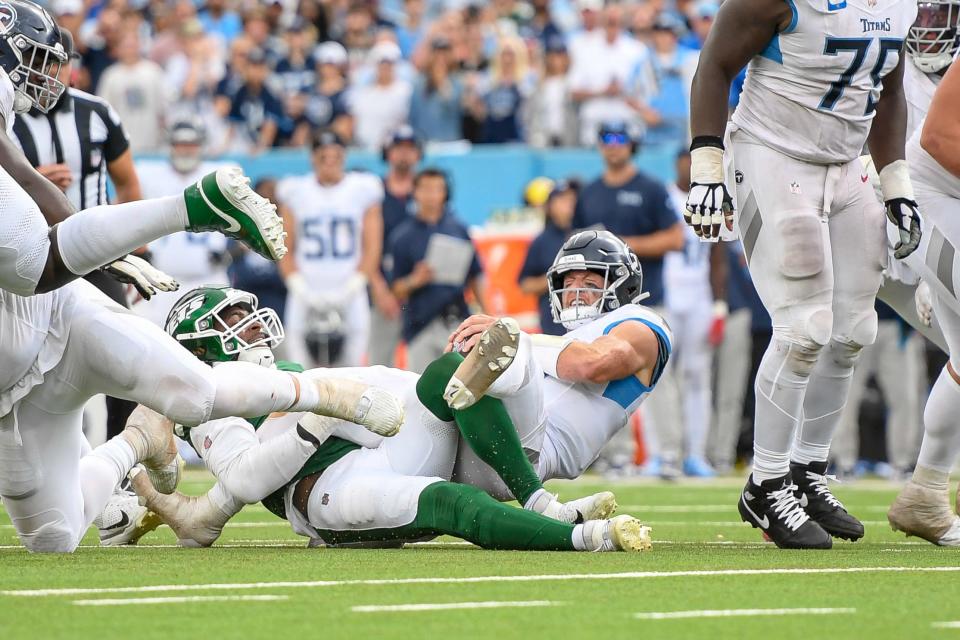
197, 322
31, 53
605, 254
932, 40
325, 336
187, 132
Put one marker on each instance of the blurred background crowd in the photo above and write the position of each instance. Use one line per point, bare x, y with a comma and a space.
383, 265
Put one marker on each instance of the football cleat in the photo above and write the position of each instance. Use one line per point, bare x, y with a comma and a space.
151, 436
494, 352
375, 409
819, 502
599, 506
196, 521
772, 507
124, 520
223, 201
696, 467
925, 513
623, 533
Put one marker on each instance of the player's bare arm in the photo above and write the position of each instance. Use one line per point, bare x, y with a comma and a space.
941, 130
742, 29
631, 348
658, 243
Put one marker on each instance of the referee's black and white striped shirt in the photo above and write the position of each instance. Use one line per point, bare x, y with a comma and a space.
82, 131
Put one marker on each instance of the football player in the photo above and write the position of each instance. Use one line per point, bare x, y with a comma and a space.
335, 231
342, 493
812, 230
192, 258
923, 507
61, 348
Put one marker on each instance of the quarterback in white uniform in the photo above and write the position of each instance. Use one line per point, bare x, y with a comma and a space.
61, 348
824, 78
334, 230
193, 259
923, 507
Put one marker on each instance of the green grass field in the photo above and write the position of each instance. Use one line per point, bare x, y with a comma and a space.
262, 582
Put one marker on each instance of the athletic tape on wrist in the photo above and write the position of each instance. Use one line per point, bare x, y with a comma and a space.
706, 165
546, 351
895, 181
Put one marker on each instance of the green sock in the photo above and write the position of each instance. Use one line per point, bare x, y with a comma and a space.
486, 426
469, 513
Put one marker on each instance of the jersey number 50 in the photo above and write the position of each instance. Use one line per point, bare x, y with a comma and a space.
329, 238
859, 47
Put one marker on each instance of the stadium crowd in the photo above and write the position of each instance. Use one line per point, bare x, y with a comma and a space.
333, 75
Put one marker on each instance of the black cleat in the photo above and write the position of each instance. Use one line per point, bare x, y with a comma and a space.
820, 504
772, 507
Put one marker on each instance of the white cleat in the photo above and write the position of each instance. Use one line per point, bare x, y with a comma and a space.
375, 409
124, 521
623, 533
494, 352
599, 506
196, 521
925, 513
151, 436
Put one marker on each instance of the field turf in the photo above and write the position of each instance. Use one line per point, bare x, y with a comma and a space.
708, 576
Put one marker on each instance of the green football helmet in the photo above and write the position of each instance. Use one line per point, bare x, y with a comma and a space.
196, 322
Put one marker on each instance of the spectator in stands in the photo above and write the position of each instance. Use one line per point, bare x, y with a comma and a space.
611, 77
638, 208
382, 106
251, 272
589, 27
137, 89
540, 26
221, 21
97, 44
701, 18
254, 109
296, 69
551, 120
558, 225
196, 67
430, 311
402, 155
499, 105
413, 27
257, 28
674, 66
436, 104
359, 31
327, 105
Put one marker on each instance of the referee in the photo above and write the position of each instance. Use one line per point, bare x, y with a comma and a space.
75, 146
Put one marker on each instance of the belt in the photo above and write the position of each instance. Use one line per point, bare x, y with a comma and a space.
301, 493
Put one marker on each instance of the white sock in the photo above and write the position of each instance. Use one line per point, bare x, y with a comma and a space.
222, 500
99, 235
580, 540
249, 390
540, 501
824, 401
941, 434
101, 472
780, 386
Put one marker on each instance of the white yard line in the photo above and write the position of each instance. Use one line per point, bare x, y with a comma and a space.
444, 606
706, 508
730, 613
631, 575
949, 624
110, 602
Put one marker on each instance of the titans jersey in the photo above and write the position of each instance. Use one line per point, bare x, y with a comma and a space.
582, 417
812, 92
329, 222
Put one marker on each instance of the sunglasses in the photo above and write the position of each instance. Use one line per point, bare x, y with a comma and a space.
614, 138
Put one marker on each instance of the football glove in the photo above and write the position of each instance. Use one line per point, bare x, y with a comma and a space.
924, 302
147, 279
709, 204
902, 209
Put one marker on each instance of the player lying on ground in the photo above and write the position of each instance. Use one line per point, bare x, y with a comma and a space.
333, 490
599, 274
923, 507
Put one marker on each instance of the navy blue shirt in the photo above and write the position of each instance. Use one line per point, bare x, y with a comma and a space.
740, 290
502, 123
395, 210
323, 109
639, 207
540, 256
296, 77
408, 246
253, 110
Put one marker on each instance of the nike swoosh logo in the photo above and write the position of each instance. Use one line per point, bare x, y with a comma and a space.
124, 521
233, 225
803, 500
763, 522
864, 178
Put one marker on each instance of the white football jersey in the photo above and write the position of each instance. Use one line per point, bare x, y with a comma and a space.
686, 273
183, 255
6, 101
811, 94
919, 88
329, 222
582, 417
925, 171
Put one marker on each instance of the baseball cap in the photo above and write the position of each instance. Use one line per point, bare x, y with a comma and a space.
590, 5
615, 132
330, 52
257, 56
440, 42
669, 22
385, 51
325, 138
706, 9
555, 44
403, 133
187, 131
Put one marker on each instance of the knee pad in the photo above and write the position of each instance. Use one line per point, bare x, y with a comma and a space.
20, 477
864, 329
55, 536
801, 246
803, 341
844, 355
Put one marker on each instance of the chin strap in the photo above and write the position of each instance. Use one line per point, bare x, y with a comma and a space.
21, 102
262, 356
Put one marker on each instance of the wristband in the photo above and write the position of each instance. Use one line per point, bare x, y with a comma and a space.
895, 181
720, 309
546, 351
706, 165
706, 141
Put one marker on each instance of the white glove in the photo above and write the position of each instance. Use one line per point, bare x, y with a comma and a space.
924, 301
141, 274
709, 205
902, 208
324, 300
